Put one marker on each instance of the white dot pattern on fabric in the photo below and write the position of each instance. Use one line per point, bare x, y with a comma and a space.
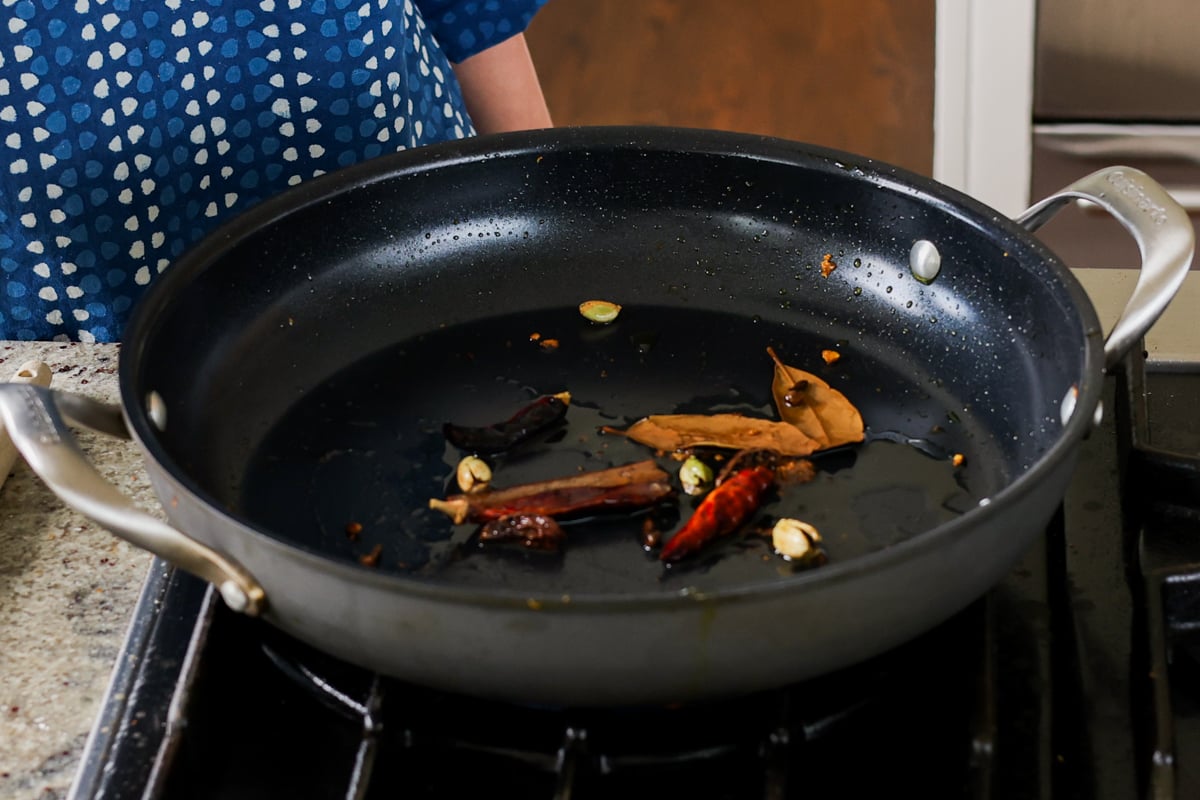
132, 128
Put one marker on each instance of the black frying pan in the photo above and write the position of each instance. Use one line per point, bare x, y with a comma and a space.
291, 374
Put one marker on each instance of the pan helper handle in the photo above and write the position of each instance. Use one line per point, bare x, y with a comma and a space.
33, 418
1164, 236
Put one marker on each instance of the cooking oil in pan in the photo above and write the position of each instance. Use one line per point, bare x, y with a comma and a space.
351, 468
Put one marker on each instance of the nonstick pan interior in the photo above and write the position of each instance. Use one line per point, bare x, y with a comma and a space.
365, 449
344, 323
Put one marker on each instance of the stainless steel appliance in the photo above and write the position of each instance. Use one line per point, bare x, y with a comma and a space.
1116, 81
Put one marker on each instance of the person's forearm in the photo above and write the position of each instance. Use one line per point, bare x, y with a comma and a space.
501, 89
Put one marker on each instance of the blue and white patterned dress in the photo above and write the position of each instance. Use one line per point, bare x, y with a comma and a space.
130, 128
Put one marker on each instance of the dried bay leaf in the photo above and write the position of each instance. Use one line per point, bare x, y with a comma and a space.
814, 407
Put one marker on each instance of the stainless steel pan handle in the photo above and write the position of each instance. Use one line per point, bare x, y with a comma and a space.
33, 418
1163, 233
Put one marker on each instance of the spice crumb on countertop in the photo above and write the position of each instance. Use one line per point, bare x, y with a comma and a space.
67, 590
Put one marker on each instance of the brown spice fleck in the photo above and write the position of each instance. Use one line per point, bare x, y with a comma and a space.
548, 344
827, 265
830, 356
795, 470
353, 529
958, 459
371, 559
651, 535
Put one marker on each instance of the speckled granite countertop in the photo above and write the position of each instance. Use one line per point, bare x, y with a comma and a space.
67, 589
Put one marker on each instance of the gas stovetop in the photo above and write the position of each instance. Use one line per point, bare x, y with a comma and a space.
1077, 676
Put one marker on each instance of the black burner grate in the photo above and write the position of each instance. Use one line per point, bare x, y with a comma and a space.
336, 731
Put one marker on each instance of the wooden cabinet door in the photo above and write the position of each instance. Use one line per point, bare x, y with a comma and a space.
856, 76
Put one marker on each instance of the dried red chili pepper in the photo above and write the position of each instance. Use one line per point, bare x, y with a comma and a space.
526, 423
535, 531
721, 512
589, 499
